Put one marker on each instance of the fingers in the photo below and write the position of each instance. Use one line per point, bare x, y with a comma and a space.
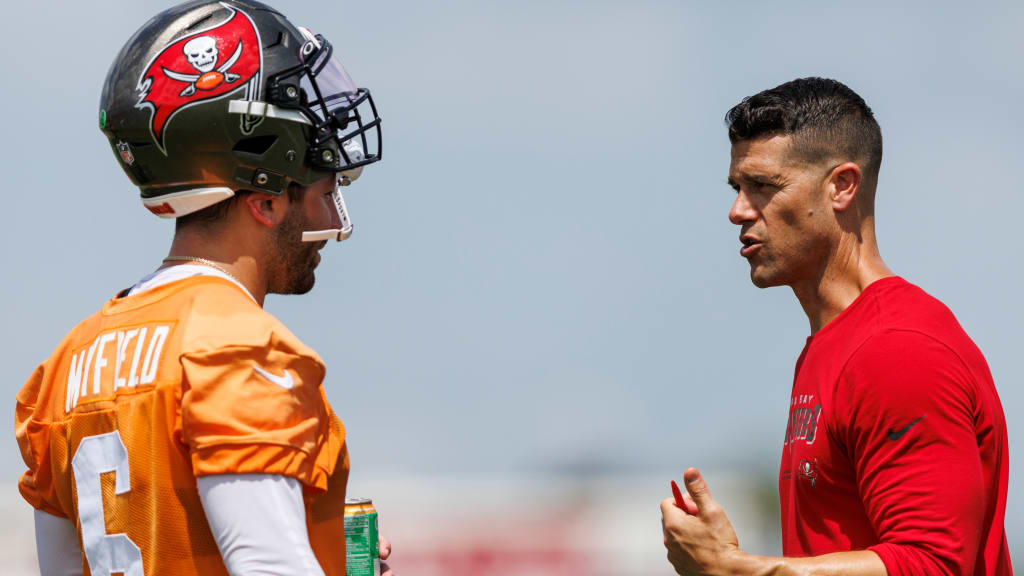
669, 510
668, 505
674, 530
697, 489
384, 550
683, 502
671, 515
690, 505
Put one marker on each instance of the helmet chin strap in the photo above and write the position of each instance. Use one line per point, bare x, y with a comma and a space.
338, 234
354, 150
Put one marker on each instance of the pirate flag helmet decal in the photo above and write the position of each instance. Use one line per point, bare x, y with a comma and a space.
211, 63
210, 98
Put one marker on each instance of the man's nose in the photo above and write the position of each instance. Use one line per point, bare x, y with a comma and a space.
742, 210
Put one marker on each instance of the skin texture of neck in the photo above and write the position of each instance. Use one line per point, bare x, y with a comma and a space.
853, 262
232, 249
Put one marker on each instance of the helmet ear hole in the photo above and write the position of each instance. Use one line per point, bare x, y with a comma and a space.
257, 145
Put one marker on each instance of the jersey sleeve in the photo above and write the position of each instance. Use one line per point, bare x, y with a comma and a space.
904, 408
33, 433
257, 409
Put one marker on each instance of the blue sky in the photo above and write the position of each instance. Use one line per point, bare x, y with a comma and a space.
542, 275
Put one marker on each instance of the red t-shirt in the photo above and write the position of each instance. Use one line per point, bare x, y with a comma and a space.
896, 441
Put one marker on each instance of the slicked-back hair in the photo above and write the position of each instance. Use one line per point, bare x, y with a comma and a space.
217, 212
825, 118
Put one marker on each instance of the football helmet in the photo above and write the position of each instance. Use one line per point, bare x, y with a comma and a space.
209, 98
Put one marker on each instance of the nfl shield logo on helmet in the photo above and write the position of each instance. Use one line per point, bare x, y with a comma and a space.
205, 65
126, 153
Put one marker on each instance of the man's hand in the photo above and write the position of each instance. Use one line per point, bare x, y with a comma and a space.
384, 550
700, 539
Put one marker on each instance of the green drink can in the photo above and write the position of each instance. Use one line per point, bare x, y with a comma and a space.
361, 553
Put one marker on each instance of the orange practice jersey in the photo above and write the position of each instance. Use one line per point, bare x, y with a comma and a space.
184, 380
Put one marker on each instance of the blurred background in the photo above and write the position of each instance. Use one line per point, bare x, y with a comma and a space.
542, 316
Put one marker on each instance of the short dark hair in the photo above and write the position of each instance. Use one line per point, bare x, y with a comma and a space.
219, 211
825, 118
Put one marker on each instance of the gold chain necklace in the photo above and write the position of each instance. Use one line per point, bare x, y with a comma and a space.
209, 263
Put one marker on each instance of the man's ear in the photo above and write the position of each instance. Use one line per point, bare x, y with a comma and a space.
844, 185
267, 209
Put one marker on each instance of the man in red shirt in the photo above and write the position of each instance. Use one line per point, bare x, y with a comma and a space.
895, 459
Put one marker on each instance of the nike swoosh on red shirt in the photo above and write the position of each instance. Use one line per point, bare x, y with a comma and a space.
896, 435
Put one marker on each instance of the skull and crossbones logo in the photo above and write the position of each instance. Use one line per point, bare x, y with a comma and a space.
809, 470
201, 52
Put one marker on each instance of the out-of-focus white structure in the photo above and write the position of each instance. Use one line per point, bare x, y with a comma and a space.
17, 534
531, 525
551, 525
506, 526
547, 525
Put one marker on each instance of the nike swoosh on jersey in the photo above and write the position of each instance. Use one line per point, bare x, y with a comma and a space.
285, 381
896, 435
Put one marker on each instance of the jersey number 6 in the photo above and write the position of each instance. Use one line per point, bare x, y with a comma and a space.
106, 553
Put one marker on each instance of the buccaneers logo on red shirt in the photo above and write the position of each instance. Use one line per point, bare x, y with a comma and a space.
203, 66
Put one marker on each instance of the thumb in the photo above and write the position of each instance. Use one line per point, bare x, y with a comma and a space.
698, 489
